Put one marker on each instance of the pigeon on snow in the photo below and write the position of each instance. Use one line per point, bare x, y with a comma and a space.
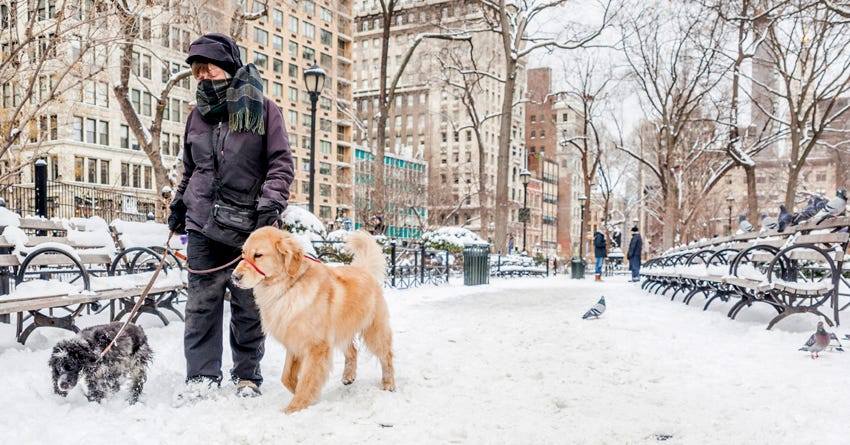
744, 225
834, 207
785, 218
808, 211
768, 223
597, 309
817, 342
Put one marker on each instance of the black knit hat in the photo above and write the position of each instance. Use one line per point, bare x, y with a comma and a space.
634, 229
218, 49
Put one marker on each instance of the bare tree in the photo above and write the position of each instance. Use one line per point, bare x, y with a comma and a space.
387, 85
466, 71
134, 22
673, 58
588, 85
511, 21
809, 47
49, 56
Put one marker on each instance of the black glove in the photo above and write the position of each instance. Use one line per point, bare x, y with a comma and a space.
269, 217
177, 217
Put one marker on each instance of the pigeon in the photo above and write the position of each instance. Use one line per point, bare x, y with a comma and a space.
834, 207
768, 223
597, 309
744, 225
817, 342
785, 218
807, 212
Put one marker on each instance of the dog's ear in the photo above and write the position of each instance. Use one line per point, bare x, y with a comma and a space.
292, 255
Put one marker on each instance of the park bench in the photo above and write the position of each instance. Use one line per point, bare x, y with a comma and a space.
51, 273
797, 271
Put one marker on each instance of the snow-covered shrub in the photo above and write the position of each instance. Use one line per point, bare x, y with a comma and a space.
452, 238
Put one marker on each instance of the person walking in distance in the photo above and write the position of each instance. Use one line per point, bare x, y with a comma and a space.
599, 251
634, 254
237, 171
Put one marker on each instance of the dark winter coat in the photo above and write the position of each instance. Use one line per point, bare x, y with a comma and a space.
599, 245
635, 250
249, 165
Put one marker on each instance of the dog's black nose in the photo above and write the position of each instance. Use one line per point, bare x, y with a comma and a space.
236, 277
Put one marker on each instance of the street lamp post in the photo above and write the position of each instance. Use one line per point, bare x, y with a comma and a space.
314, 80
729, 200
524, 175
582, 200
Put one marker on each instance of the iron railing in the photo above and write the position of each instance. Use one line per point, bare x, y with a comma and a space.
79, 201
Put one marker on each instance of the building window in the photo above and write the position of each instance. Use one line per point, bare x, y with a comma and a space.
325, 147
104, 172
261, 36
90, 131
325, 190
309, 31
325, 37
92, 170
103, 132
148, 178
125, 136
324, 168
277, 42
78, 168
261, 60
78, 129
137, 176
293, 24
125, 174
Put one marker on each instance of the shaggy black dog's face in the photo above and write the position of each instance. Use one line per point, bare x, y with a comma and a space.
69, 358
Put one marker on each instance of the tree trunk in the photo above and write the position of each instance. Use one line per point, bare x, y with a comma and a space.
503, 159
753, 214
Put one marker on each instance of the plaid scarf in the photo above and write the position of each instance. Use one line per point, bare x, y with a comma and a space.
242, 96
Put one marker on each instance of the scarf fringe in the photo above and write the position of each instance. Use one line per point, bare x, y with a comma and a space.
244, 120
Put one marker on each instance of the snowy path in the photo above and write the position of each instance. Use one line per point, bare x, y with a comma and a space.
509, 363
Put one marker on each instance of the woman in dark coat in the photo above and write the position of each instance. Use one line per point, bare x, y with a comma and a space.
237, 169
634, 254
599, 251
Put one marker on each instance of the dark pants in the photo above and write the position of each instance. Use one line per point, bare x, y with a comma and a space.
634, 265
202, 339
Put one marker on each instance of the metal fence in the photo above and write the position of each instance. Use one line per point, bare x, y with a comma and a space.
70, 200
409, 264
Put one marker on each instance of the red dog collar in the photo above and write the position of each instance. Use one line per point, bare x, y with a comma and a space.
254, 266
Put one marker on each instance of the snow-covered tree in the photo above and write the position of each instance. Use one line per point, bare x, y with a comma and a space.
513, 21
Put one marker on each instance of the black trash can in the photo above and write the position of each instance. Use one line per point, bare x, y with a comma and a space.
577, 268
476, 264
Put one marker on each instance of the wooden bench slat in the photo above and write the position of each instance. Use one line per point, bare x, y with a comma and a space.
9, 306
9, 260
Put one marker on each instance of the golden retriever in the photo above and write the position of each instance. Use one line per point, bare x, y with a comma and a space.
311, 308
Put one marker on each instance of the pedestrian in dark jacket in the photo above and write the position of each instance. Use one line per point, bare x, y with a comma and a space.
634, 254
599, 251
237, 169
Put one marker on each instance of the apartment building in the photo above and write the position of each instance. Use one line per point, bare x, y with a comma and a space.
428, 120
407, 183
86, 140
290, 38
542, 142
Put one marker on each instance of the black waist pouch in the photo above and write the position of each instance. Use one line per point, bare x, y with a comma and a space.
230, 224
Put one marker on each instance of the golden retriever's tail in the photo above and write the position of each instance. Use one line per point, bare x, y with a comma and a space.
367, 254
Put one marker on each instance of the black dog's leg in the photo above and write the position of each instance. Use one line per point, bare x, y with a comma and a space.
138, 377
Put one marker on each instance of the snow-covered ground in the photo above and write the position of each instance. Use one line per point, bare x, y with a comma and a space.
507, 363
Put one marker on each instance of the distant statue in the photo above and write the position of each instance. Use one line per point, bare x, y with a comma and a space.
616, 238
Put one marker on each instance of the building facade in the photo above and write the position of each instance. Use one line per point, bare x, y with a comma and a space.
84, 136
428, 119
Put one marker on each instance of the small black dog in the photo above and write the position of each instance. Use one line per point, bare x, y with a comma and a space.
129, 357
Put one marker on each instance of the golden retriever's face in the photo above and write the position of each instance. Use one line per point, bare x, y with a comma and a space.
275, 253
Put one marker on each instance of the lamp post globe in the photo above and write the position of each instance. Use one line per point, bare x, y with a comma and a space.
314, 80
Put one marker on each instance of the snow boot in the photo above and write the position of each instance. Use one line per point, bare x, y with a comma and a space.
598, 277
247, 388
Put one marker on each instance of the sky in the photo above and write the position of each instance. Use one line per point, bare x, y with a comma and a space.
511, 362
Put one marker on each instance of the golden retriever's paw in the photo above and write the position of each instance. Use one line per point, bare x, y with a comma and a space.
388, 385
348, 379
294, 407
